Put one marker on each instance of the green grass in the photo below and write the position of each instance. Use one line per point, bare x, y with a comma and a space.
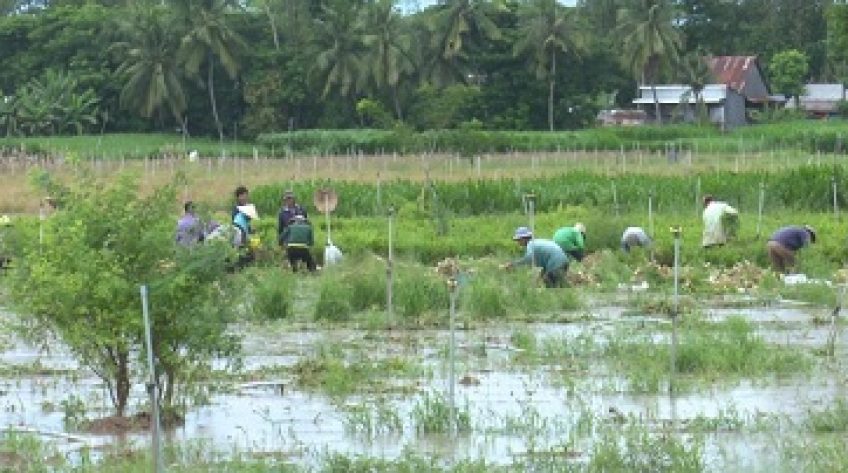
125, 145
706, 353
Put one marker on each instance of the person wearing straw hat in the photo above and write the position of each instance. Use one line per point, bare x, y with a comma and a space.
297, 238
572, 240
545, 254
785, 242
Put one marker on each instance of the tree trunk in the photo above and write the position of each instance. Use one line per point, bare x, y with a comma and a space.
396, 99
210, 83
551, 84
274, 34
657, 109
122, 382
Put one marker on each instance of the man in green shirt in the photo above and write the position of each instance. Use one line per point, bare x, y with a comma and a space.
544, 254
572, 240
297, 239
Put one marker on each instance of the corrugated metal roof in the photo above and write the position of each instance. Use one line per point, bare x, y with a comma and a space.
732, 70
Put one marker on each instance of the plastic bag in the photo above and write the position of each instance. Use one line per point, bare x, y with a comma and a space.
332, 254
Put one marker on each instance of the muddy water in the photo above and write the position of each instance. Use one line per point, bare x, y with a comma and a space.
514, 409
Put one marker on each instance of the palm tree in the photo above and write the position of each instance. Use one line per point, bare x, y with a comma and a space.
695, 73
154, 77
388, 48
449, 26
209, 38
547, 30
340, 61
649, 40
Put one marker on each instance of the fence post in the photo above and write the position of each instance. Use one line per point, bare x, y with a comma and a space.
152, 388
762, 202
452, 287
835, 199
390, 269
676, 231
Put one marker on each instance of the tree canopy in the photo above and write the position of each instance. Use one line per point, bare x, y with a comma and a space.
234, 68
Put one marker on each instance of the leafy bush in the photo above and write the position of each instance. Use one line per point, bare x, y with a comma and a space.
333, 301
272, 294
418, 291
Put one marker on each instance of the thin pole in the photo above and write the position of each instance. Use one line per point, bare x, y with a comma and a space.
615, 198
760, 208
452, 286
152, 387
651, 213
835, 200
676, 231
390, 268
327, 216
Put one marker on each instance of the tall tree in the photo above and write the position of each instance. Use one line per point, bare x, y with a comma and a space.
454, 22
153, 75
788, 69
547, 30
340, 61
649, 41
388, 46
209, 40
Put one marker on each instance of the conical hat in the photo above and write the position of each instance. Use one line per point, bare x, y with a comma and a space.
325, 200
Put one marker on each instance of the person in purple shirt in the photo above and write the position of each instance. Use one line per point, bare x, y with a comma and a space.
288, 211
189, 227
785, 242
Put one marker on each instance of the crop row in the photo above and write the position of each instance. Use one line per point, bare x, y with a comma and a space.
807, 188
806, 136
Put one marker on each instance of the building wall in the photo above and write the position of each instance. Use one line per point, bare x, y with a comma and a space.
755, 86
734, 110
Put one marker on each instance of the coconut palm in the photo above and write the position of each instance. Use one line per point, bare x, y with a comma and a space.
154, 81
388, 43
649, 40
340, 62
547, 30
695, 73
209, 40
449, 27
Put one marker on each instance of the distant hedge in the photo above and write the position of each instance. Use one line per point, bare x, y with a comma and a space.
826, 137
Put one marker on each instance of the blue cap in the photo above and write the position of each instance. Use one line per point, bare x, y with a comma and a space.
521, 233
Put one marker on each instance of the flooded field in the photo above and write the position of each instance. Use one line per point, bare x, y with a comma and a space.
526, 394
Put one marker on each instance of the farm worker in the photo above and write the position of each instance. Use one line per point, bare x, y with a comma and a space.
785, 242
189, 227
572, 240
243, 214
288, 211
542, 253
634, 236
298, 238
5, 221
720, 222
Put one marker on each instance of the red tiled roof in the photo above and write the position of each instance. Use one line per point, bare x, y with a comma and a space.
731, 70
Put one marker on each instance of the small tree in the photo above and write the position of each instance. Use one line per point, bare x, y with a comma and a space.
788, 70
82, 284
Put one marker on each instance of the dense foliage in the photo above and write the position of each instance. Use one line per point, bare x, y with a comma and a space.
81, 280
226, 68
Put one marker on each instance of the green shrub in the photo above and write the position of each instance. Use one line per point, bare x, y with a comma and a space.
485, 299
272, 294
333, 301
418, 291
